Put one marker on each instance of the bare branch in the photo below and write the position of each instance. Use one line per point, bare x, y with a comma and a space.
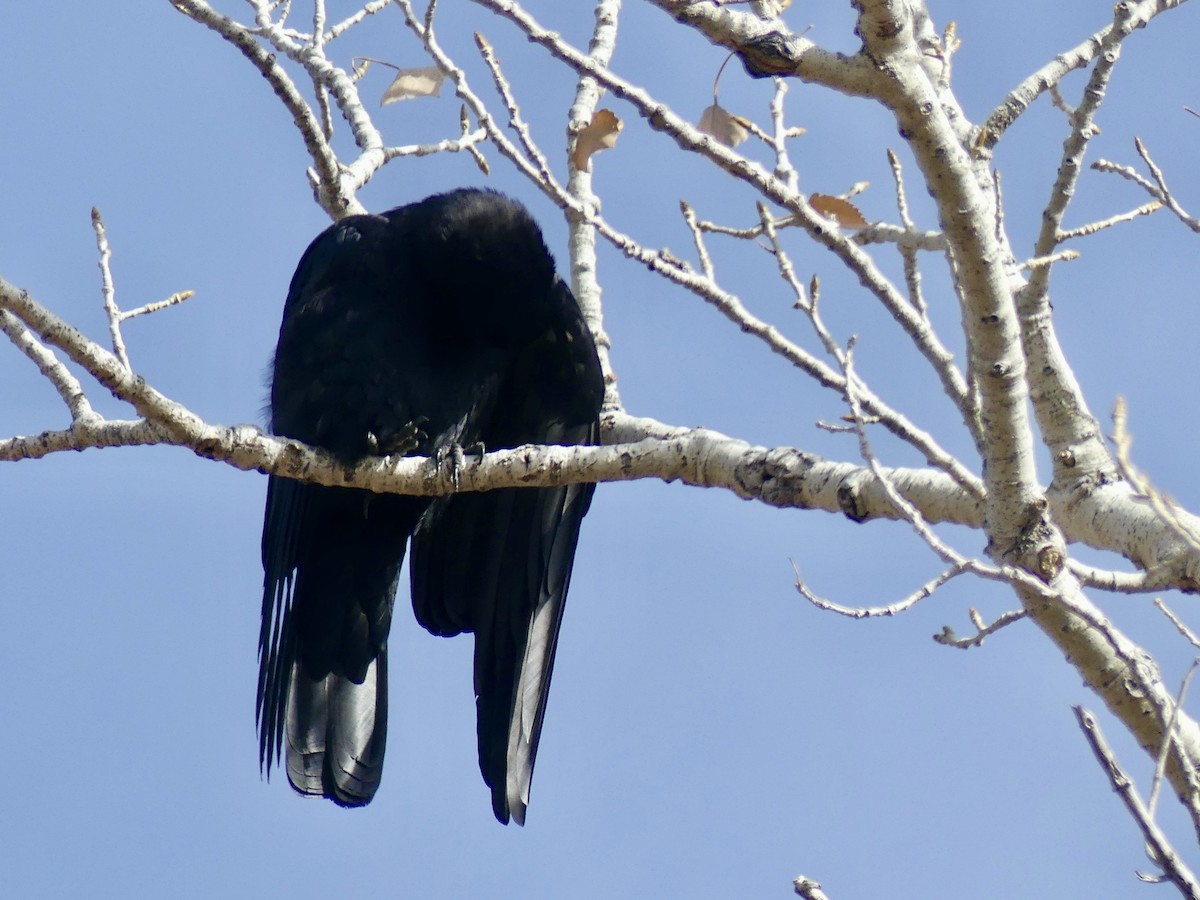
1018, 578
1157, 188
885, 233
67, 385
784, 170
1041, 262
515, 121
1125, 20
1022, 96
1087, 230
1146, 582
808, 888
1165, 508
908, 252
1155, 171
585, 281
1160, 764
468, 141
350, 21
1161, 852
781, 476
326, 171
108, 291
873, 612
950, 639
1187, 633
689, 216
174, 300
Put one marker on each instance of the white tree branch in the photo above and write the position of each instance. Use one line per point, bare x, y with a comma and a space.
1158, 846
1048, 76
327, 182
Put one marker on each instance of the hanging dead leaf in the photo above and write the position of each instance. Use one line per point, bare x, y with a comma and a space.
727, 128
411, 83
841, 211
600, 134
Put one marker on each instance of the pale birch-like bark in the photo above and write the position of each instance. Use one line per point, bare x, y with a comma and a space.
1015, 375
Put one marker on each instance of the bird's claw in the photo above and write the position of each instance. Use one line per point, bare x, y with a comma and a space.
405, 441
456, 455
453, 454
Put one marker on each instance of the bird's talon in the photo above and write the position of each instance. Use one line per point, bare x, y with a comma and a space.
408, 440
456, 466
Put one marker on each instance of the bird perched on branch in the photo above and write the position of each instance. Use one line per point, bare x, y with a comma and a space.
435, 326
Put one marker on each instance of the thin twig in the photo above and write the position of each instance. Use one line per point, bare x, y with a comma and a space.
873, 612
1092, 228
469, 142
1160, 764
350, 21
515, 120
1158, 846
1164, 192
174, 300
950, 639
1165, 508
1189, 635
784, 170
108, 291
1049, 260
689, 217
908, 253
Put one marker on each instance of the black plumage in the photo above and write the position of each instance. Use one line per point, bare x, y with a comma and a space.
436, 325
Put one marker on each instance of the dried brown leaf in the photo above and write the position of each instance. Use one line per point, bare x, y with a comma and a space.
841, 211
721, 124
600, 134
411, 83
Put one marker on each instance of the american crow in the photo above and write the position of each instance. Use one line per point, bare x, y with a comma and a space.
434, 326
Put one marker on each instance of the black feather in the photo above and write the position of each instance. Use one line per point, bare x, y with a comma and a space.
436, 325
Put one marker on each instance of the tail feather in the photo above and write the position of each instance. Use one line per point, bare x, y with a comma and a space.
336, 734
332, 558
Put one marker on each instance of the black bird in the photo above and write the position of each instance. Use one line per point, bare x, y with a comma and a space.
435, 326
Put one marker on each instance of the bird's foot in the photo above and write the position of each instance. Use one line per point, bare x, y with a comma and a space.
403, 442
451, 456
455, 456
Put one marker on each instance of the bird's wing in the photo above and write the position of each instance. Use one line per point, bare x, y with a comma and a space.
499, 564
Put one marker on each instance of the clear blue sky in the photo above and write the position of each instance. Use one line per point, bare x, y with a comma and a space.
709, 734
